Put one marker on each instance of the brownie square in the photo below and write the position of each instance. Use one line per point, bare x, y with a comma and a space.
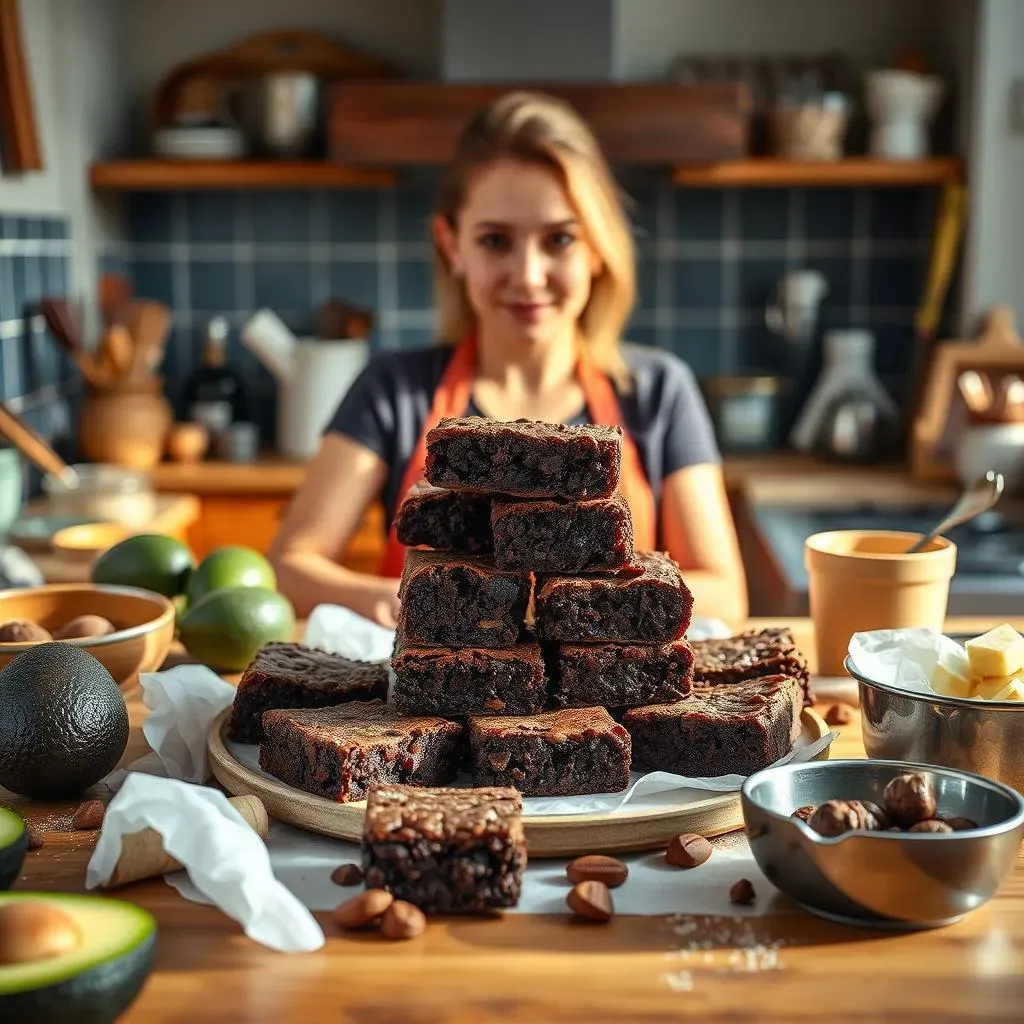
750, 655
620, 675
338, 752
552, 536
285, 675
445, 850
558, 753
468, 680
450, 601
524, 458
455, 521
653, 607
723, 730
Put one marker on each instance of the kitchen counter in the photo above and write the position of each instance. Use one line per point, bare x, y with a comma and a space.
777, 968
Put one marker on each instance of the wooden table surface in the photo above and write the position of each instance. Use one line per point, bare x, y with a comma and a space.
553, 969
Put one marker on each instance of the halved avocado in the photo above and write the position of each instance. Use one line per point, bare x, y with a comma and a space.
94, 983
13, 844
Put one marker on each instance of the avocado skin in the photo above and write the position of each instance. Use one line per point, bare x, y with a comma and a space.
151, 561
63, 722
96, 996
227, 568
12, 856
225, 629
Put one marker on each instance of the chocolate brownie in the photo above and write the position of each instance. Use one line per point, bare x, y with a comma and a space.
553, 536
451, 601
723, 730
750, 655
620, 675
524, 458
283, 675
454, 521
337, 752
558, 753
468, 680
654, 607
445, 850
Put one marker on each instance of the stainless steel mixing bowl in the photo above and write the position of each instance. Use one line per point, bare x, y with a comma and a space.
985, 737
882, 879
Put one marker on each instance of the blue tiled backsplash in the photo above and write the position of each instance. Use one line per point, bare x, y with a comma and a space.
708, 259
36, 377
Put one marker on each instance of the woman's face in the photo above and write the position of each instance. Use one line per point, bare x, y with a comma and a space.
521, 249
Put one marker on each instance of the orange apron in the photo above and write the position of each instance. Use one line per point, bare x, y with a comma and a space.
452, 398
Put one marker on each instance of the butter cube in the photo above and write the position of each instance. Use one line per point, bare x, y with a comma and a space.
952, 680
999, 652
999, 688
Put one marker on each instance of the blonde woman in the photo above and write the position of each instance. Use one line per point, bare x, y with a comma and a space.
535, 282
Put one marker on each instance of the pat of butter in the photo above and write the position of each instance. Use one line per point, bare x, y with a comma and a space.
999, 688
999, 652
952, 680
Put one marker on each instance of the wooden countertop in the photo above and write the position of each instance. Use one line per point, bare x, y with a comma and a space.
548, 968
273, 476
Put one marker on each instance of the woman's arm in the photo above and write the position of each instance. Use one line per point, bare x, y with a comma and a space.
698, 531
340, 483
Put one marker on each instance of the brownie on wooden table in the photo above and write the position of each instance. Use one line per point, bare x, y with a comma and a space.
620, 675
461, 601
284, 675
468, 680
723, 730
653, 607
554, 536
445, 850
524, 458
558, 753
338, 752
750, 655
454, 521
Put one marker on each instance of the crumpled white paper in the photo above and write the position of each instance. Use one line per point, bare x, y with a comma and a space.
225, 859
183, 702
905, 658
340, 630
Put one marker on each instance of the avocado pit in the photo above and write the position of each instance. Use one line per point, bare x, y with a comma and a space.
34, 930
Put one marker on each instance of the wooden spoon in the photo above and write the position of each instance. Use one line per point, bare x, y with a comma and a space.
35, 447
63, 324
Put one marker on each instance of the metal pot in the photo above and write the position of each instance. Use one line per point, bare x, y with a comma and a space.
281, 113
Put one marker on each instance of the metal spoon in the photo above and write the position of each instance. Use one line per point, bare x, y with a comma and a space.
978, 498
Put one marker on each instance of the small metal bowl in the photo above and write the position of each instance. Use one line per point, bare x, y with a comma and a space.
901, 880
984, 737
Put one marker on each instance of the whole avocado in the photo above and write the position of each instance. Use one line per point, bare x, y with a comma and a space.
227, 568
63, 722
151, 561
225, 629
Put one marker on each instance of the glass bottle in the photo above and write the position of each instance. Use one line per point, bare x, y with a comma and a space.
214, 394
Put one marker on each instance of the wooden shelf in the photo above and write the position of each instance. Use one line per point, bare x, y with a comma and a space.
136, 175
851, 172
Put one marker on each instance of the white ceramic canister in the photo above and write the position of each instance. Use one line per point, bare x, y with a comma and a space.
323, 373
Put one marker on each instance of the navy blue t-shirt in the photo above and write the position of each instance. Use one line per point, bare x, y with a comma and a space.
388, 403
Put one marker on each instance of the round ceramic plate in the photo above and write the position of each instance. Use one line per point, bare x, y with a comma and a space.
646, 823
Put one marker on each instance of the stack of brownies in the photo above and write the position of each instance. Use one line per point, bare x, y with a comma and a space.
535, 647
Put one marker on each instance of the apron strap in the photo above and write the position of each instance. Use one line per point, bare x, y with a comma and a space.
452, 398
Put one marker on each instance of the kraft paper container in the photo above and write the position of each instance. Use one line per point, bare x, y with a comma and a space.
863, 579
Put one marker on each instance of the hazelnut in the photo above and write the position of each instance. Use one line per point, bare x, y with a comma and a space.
959, 824
840, 714
742, 892
88, 816
83, 626
34, 836
930, 826
687, 851
910, 799
834, 817
22, 631
347, 874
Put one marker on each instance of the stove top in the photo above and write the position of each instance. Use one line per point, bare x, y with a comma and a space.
990, 545
989, 578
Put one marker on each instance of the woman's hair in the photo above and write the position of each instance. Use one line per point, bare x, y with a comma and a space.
540, 129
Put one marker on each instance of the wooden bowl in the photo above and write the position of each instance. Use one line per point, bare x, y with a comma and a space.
144, 623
